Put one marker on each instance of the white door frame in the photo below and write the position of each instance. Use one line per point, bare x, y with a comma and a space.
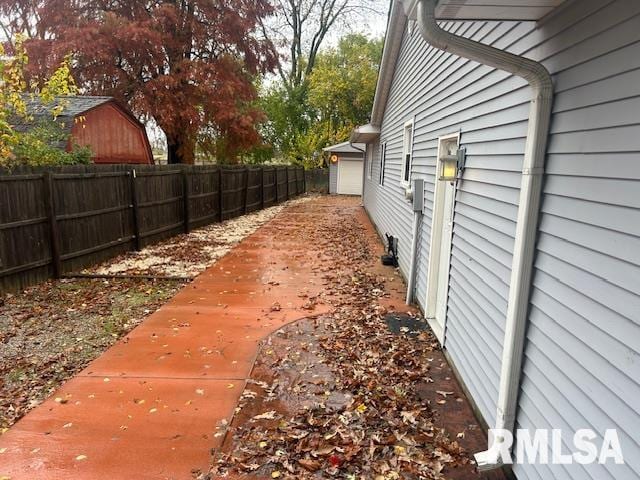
440, 246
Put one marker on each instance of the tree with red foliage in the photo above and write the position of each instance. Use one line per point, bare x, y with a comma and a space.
188, 64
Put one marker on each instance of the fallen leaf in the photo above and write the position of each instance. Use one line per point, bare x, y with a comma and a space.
309, 464
265, 416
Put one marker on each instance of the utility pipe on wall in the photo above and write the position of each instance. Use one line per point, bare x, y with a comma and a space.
541, 85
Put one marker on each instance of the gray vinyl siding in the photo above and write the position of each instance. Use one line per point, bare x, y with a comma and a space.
581, 365
583, 342
447, 94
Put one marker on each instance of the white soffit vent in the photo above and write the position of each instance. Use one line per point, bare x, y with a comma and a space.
488, 9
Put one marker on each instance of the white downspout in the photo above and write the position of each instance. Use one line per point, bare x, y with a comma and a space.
364, 166
411, 278
529, 205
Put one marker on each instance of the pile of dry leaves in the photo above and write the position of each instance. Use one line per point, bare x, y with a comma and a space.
336, 396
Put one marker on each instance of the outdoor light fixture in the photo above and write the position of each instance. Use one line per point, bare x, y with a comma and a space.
451, 163
334, 158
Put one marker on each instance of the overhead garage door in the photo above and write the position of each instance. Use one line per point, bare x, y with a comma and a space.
350, 177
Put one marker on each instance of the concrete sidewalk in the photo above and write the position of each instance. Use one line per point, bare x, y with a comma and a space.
149, 407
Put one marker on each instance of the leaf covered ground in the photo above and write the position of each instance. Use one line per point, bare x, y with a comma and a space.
187, 255
341, 395
51, 331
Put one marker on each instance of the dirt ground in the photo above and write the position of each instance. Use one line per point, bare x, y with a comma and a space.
51, 331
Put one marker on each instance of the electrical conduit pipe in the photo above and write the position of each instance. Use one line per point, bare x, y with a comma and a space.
541, 85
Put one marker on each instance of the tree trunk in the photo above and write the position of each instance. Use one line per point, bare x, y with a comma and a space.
180, 150
172, 153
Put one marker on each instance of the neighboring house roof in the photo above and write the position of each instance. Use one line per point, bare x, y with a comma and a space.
345, 147
403, 10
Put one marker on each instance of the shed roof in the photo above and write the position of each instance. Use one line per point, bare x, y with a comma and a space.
74, 105
345, 147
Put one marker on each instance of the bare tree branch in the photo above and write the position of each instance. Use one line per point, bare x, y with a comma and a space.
304, 25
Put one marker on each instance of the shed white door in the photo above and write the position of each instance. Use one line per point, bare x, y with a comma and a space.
350, 177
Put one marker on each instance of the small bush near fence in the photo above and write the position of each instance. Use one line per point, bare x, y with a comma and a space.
60, 220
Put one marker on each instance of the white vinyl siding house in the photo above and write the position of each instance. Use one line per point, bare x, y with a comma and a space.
581, 359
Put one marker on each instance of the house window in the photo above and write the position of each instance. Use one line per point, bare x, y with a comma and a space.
407, 152
383, 159
369, 161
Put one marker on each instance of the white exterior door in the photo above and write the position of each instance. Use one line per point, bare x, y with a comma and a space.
440, 254
350, 177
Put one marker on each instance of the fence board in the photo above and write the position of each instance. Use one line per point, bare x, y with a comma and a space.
94, 212
281, 184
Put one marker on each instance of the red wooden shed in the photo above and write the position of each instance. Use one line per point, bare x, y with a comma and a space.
107, 127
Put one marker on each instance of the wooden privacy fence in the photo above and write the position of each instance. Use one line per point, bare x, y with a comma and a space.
59, 220
317, 180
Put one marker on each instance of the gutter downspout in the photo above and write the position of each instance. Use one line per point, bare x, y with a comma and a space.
529, 205
411, 280
364, 174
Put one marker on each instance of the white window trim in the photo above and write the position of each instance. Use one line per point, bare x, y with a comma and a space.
369, 157
383, 161
407, 149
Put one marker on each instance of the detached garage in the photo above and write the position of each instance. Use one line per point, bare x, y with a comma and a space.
346, 168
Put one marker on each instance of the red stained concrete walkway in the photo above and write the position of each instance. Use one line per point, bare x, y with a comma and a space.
148, 408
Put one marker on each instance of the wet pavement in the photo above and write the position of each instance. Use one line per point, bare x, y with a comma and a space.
148, 407
152, 406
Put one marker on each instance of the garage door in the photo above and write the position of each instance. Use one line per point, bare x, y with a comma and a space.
350, 177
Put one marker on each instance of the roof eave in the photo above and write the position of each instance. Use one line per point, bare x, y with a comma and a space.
391, 49
401, 11
365, 134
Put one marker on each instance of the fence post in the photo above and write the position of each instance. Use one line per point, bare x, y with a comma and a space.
286, 169
54, 238
304, 180
246, 191
135, 210
186, 200
262, 188
220, 194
